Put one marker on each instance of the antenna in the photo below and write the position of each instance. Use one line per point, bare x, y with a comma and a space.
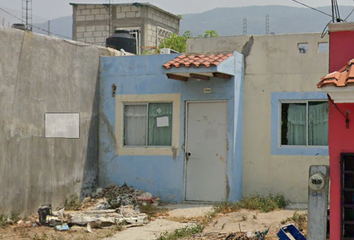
244, 26
27, 13
267, 25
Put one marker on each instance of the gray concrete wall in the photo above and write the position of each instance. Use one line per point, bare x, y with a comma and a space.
272, 65
39, 74
93, 23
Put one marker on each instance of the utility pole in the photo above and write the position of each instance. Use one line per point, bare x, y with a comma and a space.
48, 27
244, 26
332, 1
267, 25
27, 13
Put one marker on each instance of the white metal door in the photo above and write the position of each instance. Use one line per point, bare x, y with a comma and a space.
206, 151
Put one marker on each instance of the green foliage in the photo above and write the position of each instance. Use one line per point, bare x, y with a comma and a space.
3, 221
72, 203
254, 202
209, 34
179, 43
300, 220
175, 42
182, 232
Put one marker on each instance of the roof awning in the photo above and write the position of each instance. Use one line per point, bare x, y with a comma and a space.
340, 78
200, 66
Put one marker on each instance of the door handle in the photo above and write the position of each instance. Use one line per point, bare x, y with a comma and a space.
188, 154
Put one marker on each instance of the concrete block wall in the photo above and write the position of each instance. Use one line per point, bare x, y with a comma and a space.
40, 74
93, 23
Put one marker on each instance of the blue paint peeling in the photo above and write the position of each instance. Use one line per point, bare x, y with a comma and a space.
163, 176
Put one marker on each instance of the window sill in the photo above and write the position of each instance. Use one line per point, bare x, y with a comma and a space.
152, 151
300, 150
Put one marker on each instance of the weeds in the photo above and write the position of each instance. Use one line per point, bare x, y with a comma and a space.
254, 202
3, 221
152, 211
72, 203
182, 232
300, 220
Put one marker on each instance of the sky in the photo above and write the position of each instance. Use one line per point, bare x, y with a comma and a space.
51, 9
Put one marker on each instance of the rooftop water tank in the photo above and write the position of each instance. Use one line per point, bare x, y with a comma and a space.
121, 39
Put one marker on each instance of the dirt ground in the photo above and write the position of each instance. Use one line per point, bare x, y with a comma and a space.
219, 228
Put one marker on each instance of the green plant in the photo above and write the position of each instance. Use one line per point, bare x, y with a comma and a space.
254, 202
72, 203
3, 221
244, 218
182, 232
299, 220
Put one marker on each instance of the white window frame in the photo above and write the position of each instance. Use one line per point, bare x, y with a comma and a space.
147, 123
307, 125
162, 33
173, 150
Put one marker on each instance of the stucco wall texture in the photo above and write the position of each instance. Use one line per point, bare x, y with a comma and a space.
163, 176
40, 74
272, 64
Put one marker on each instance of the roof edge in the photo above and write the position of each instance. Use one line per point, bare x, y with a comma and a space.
144, 4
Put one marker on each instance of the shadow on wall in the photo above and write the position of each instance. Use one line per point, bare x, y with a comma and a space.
90, 173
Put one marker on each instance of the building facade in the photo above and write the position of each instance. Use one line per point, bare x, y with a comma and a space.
281, 72
93, 23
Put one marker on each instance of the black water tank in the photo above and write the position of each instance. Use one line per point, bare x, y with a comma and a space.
121, 39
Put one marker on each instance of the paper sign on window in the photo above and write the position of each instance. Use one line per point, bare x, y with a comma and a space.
162, 122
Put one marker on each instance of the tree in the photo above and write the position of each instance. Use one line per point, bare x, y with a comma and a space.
179, 43
175, 42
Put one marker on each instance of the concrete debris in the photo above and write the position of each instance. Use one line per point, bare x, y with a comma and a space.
113, 196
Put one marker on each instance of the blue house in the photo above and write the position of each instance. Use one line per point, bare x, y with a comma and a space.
172, 125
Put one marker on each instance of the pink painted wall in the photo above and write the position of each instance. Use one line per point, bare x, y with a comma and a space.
341, 49
341, 140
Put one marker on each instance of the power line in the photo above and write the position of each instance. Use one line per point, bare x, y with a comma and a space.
315, 9
44, 30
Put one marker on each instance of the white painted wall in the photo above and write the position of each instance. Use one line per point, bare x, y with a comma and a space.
273, 64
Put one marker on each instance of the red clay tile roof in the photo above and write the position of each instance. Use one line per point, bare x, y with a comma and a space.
339, 78
197, 60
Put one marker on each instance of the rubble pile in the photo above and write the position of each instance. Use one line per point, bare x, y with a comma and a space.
113, 197
106, 207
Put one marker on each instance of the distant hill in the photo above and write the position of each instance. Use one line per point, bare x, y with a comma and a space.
282, 20
229, 21
59, 26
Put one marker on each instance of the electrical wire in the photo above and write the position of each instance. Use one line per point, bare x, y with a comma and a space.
315, 9
33, 26
349, 14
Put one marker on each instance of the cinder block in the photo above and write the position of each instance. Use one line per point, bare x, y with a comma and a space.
154, 17
80, 18
81, 7
130, 14
85, 12
97, 34
80, 29
153, 28
90, 17
100, 28
100, 40
88, 34
90, 28
90, 40
150, 15
118, 9
79, 35
126, 9
121, 15
90, 6
138, 14
159, 19
95, 11
104, 11
149, 26
100, 17
134, 8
